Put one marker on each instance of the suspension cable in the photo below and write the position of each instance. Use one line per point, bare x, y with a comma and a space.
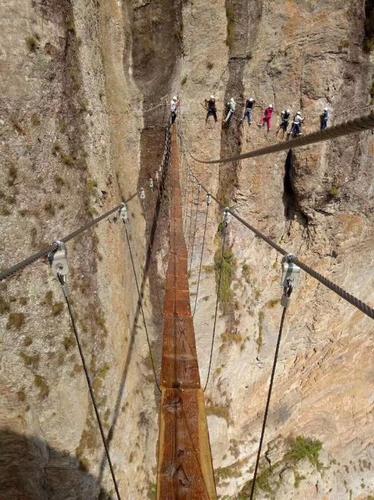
266, 412
195, 224
90, 387
348, 297
189, 220
358, 125
140, 302
44, 253
208, 198
224, 228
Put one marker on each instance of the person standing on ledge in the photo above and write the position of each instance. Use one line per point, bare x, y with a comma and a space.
324, 119
231, 107
248, 113
266, 118
284, 121
210, 105
173, 108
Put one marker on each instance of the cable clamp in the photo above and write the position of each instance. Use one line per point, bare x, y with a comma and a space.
124, 213
58, 261
290, 278
208, 199
226, 216
142, 193
151, 185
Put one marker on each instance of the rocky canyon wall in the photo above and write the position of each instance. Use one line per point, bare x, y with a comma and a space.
84, 92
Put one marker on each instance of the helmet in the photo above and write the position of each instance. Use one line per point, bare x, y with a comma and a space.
175, 98
212, 96
299, 113
325, 109
251, 99
288, 111
232, 99
270, 105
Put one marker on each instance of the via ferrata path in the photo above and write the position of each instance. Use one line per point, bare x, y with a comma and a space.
185, 468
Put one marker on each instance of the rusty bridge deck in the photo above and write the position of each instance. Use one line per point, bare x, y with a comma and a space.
185, 468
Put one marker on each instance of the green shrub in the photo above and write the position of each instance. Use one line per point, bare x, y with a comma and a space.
57, 308
230, 16
32, 43
42, 385
334, 192
260, 338
15, 320
69, 342
302, 448
246, 271
31, 361
4, 306
225, 268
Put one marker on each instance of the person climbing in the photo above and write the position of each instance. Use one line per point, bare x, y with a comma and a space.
173, 108
266, 118
248, 112
210, 105
324, 118
296, 125
230, 108
284, 121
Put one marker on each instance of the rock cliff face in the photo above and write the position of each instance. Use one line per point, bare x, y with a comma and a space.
82, 109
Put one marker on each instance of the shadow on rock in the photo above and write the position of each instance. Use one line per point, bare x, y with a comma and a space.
31, 470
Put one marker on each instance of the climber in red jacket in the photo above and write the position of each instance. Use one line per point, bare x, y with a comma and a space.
266, 117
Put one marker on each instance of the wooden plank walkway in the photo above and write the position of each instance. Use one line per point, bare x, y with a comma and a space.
185, 468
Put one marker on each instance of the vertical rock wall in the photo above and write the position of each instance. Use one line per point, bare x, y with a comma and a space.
82, 114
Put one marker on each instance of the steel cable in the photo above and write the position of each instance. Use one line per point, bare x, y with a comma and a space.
358, 125
217, 304
90, 388
201, 257
140, 302
262, 435
44, 253
348, 297
194, 229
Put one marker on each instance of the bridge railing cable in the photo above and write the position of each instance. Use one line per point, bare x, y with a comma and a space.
350, 127
348, 297
44, 253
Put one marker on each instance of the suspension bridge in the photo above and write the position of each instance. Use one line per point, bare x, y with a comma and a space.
185, 468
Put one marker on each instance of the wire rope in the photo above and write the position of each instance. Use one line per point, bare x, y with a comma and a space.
140, 302
201, 254
348, 297
90, 388
224, 228
267, 406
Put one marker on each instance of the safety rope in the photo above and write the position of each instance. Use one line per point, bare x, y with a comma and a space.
189, 219
224, 228
44, 253
140, 303
348, 297
90, 387
202, 252
358, 125
195, 224
266, 412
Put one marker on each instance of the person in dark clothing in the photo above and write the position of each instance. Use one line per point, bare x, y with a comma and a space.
296, 127
324, 118
211, 107
173, 109
248, 112
285, 119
